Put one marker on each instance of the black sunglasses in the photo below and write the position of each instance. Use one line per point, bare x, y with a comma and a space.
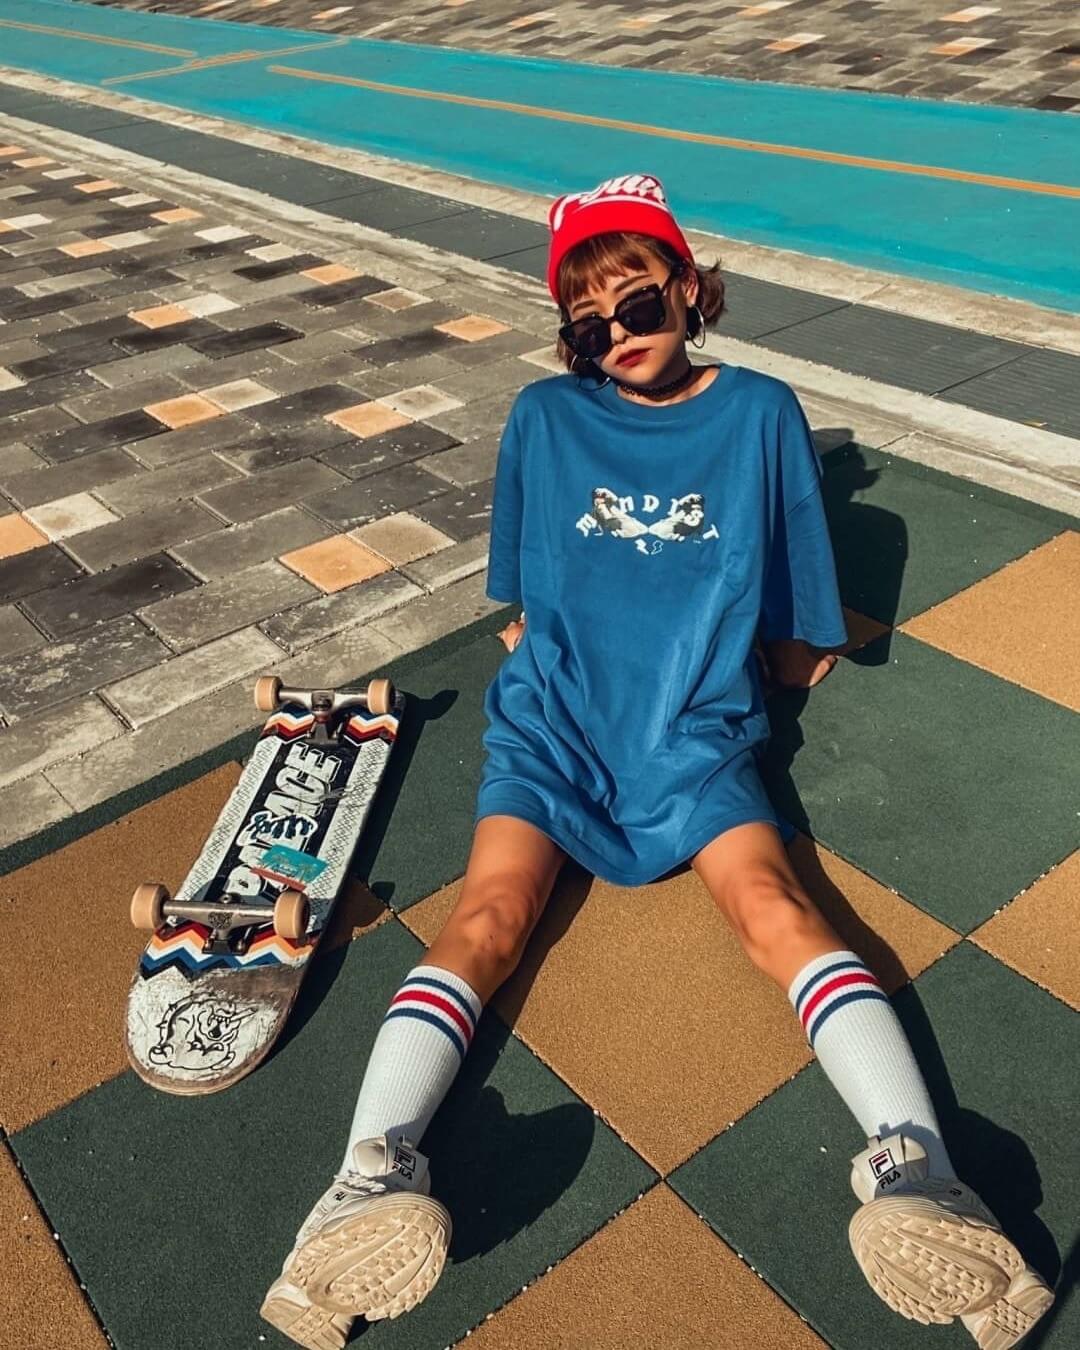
639, 313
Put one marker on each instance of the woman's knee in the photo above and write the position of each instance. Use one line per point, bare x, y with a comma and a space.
768, 913
494, 921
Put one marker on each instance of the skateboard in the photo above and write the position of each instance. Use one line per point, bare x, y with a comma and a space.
224, 965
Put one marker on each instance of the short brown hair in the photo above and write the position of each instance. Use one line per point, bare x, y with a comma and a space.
603, 255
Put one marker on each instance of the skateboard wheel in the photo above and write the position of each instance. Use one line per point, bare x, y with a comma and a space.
266, 693
380, 696
148, 905
291, 913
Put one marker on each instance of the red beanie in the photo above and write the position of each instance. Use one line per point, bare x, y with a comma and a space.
633, 202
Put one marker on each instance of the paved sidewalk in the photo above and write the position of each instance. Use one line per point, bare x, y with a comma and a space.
1025, 53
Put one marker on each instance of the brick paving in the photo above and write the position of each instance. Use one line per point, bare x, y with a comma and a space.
216, 449
1025, 53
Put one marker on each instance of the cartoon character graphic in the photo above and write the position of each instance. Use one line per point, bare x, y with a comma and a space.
684, 520
612, 514
199, 1033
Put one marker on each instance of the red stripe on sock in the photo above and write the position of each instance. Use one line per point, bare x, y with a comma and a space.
837, 982
436, 1001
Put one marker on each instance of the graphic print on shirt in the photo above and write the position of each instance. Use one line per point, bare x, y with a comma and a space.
614, 515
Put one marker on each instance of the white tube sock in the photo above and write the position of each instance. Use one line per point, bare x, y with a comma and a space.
417, 1053
857, 1037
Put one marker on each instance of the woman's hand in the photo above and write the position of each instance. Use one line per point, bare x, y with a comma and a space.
513, 633
791, 663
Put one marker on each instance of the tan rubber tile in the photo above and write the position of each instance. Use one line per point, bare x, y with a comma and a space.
1037, 933
41, 1306
472, 328
645, 1003
861, 629
1021, 622
334, 563
17, 535
655, 1276
368, 419
66, 1012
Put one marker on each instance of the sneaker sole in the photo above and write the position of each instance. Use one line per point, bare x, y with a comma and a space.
379, 1263
928, 1264
312, 1327
1012, 1317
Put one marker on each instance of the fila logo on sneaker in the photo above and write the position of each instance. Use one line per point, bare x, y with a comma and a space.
882, 1162
404, 1162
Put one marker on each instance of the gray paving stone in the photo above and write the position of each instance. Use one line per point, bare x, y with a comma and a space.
34, 570
460, 512
450, 565
313, 349
139, 535
31, 427
132, 368
111, 402
246, 366
34, 486
256, 541
318, 619
167, 741
381, 494
26, 350
485, 417
266, 492
17, 633
473, 462
215, 434
191, 677
433, 616
155, 486
86, 601
227, 603
342, 659
359, 457
54, 734
27, 807
49, 675
493, 377
17, 459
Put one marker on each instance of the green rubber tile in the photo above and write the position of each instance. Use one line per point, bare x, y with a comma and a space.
907, 537
940, 780
178, 1211
419, 833
776, 1185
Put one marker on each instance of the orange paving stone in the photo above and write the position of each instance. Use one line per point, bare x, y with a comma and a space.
43, 1307
959, 46
368, 419
175, 214
17, 535
1037, 933
794, 42
619, 1285
1021, 622
98, 185
6, 150
160, 316
35, 162
584, 990
184, 411
334, 563
85, 248
472, 328
329, 273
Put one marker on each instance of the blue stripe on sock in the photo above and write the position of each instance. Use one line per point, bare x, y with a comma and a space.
830, 1008
446, 989
814, 980
428, 1017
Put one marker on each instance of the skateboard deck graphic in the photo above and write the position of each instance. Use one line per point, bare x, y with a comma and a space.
212, 993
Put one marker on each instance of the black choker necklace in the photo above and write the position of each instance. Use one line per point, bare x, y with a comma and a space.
661, 390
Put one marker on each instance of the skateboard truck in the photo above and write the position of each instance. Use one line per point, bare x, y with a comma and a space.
325, 704
151, 906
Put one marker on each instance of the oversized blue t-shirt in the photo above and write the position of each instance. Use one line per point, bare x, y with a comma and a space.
647, 545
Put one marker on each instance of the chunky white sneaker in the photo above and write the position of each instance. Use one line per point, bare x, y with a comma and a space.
376, 1242
928, 1246
290, 1310
1000, 1326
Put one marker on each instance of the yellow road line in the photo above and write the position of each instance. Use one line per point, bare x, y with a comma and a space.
224, 59
700, 138
95, 37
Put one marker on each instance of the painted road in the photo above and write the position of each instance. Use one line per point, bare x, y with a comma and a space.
976, 196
